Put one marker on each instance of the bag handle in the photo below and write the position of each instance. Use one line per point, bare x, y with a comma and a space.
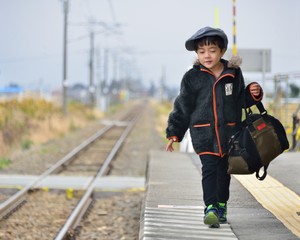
263, 112
261, 108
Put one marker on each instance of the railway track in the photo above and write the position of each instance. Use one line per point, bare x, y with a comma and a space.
93, 157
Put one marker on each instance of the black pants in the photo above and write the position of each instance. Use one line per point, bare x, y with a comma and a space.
215, 180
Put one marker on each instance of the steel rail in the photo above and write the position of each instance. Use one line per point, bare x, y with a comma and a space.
78, 211
16, 199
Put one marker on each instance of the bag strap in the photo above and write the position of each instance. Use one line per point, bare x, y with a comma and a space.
261, 108
260, 178
262, 112
247, 157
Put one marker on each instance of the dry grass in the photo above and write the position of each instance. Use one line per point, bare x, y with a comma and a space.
163, 110
162, 113
33, 121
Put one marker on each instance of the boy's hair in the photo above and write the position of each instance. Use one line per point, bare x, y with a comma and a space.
209, 40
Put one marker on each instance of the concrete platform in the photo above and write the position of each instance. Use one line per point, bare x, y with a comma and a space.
173, 205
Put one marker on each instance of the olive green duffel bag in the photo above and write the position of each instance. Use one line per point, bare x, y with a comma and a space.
260, 140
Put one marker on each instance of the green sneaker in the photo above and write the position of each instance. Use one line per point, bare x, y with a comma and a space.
211, 217
222, 209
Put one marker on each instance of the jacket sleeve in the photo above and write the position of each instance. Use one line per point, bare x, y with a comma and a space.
179, 118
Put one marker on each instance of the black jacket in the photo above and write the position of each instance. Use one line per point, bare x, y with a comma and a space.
210, 107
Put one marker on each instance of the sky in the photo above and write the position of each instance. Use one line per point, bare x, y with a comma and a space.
145, 37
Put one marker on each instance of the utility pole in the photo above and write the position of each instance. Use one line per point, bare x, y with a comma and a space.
91, 67
162, 84
64, 83
99, 80
115, 66
234, 49
105, 68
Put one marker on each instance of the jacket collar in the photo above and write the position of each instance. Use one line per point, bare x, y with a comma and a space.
227, 69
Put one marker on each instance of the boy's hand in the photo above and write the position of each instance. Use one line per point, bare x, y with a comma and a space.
169, 146
255, 89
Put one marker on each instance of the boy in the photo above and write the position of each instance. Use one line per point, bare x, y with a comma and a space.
210, 102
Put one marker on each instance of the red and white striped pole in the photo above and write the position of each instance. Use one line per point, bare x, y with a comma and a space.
234, 49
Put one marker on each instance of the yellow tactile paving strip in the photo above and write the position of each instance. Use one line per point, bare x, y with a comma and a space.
276, 198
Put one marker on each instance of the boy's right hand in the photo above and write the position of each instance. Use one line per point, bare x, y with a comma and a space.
169, 146
255, 89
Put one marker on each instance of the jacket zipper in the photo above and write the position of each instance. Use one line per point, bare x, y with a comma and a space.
215, 106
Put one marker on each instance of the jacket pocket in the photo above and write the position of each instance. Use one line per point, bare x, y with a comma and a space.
201, 125
202, 137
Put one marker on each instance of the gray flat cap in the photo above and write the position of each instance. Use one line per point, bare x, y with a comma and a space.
205, 32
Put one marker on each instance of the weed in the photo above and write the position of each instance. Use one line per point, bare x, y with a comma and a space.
91, 117
72, 126
4, 161
26, 144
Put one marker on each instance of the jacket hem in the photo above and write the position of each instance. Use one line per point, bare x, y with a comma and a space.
211, 153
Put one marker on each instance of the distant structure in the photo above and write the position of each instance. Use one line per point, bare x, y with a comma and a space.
11, 90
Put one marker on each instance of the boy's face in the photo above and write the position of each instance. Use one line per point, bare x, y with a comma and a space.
210, 55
